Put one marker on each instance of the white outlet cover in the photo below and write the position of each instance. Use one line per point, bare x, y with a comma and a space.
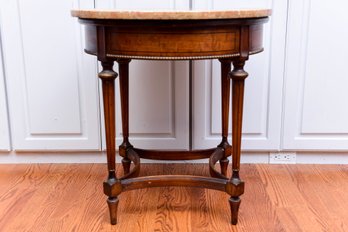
282, 158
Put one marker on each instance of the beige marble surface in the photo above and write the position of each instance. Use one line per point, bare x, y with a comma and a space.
171, 15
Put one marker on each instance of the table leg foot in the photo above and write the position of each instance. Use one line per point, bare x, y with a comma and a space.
234, 203
223, 165
113, 204
126, 163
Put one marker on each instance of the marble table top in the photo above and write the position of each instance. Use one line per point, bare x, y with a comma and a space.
171, 15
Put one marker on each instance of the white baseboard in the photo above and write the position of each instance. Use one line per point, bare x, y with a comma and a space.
100, 157
322, 158
52, 157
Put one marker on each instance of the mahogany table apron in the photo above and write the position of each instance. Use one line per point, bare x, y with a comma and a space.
231, 40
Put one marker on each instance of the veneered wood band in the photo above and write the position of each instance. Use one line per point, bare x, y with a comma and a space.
172, 39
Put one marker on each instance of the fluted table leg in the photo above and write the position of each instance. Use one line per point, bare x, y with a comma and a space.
225, 108
123, 65
112, 186
238, 76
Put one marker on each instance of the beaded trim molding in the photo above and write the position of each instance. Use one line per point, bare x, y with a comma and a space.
181, 57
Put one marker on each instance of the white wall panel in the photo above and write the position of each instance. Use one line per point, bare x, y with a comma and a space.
52, 88
263, 88
148, 5
159, 113
230, 4
4, 124
52, 94
158, 105
316, 115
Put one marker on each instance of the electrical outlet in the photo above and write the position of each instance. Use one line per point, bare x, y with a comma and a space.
282, 158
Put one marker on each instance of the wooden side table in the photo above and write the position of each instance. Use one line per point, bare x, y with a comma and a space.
230, 36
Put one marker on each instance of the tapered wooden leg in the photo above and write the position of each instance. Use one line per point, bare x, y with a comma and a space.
234, 204
223, 166
126, 163
238, 76
112, 186
225, 103
113, 205
123, 65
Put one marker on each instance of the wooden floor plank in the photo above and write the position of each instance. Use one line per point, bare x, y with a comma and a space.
69, 197
201, 219
258, 213
174, 208
287, 199
19, 194
326, 198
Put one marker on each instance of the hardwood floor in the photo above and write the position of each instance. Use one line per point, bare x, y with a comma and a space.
69, 197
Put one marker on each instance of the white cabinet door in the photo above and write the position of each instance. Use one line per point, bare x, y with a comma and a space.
52, 88
159, 113
4, 126
316, 76
263, 88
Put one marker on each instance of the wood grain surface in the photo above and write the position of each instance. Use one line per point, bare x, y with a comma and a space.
171, 15
69, 197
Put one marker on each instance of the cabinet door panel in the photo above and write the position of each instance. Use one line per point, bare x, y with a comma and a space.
158, 102
52, 88
230, 4
4, 124
315, 113
263, 88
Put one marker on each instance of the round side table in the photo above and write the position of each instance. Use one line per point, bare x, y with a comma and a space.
230, 36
